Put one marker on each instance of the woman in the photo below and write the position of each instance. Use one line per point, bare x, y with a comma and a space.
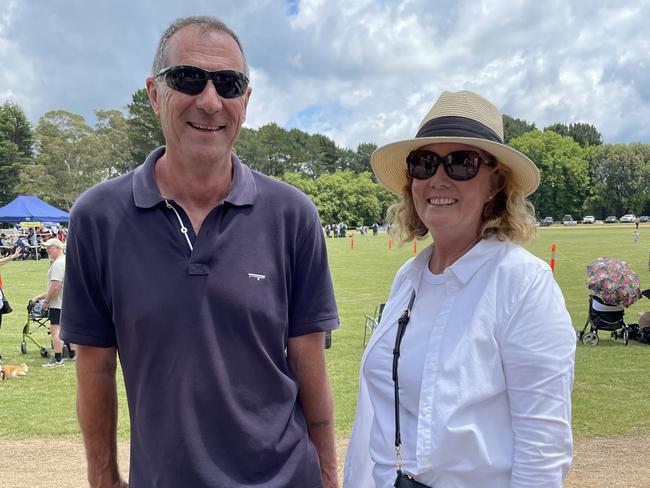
485, 364
4, 304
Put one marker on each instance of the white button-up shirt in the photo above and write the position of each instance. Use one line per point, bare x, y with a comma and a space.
495, 396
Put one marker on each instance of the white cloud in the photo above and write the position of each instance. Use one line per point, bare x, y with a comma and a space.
355, 70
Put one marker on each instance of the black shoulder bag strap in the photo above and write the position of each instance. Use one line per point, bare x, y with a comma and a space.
402, 480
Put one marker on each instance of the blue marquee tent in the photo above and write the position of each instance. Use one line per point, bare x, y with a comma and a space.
28, 208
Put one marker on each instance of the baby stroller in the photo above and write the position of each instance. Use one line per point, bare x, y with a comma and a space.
604, 317
613, 285
36, 318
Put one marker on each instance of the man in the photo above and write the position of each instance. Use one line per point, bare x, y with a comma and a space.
53, 299
212, 282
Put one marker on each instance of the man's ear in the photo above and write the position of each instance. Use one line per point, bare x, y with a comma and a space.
153, 93
247, 96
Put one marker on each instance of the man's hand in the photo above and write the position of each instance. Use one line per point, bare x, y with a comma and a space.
307, 360
97, 414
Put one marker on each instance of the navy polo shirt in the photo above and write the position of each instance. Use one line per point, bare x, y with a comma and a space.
202, 334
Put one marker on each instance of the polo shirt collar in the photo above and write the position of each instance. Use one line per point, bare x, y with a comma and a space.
146, 193
242, 190
464, 268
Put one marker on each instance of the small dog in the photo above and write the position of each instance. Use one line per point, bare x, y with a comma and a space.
12, 371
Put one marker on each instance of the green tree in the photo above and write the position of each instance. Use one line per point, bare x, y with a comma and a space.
585, 134
273, 150
15, 148
361, 160
277, 156
145, 133
513, 128
11, 162
344, 196
621, 173
68, 159
250, 150
558, 128
112, 133
564, 171
15, 127
323, 156
302, 182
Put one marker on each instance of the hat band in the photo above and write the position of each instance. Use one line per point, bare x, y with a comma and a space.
452, 126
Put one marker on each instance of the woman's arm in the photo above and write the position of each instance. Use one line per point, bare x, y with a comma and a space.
13, 256
537, 350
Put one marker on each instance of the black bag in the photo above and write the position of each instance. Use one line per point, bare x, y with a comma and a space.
405, 481
6, 308
645, 336
634, 333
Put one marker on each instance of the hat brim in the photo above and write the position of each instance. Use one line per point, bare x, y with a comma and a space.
389, 162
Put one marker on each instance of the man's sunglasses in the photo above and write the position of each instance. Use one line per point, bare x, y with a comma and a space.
191, 80
459, 165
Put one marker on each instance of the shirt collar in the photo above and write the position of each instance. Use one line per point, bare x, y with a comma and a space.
463, 269
146, 193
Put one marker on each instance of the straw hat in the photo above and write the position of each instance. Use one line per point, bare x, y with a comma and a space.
457, 117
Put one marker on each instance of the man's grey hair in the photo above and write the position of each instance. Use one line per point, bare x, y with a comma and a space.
206, 24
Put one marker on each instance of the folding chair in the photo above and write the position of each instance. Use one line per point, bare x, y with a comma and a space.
372, 322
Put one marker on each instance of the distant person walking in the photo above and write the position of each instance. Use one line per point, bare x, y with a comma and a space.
53, 298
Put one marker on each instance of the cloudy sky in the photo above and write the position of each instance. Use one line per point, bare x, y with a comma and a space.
355, 70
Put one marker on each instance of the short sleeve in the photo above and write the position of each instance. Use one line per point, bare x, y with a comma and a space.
312, 306
58, 270
86, 318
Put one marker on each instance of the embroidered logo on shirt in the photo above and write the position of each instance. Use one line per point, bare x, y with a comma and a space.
258, 277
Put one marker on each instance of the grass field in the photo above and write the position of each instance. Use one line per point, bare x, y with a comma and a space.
611, 388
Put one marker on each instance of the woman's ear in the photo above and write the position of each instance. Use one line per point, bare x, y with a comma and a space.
497, 183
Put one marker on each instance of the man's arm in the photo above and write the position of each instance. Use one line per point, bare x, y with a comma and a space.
97, 414
53, 290
307, 360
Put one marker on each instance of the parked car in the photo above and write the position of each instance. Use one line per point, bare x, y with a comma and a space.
627, 219
568, 220
546, 221
643, 218
588, 219
611, 220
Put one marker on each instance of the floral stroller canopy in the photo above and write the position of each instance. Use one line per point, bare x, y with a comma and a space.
613, 281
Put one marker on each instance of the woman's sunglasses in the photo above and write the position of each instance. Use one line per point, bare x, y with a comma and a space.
459, 165
191, 80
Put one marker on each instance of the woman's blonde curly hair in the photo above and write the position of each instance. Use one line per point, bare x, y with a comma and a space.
509, 215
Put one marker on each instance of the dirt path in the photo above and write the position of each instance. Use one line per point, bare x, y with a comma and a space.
600, 462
